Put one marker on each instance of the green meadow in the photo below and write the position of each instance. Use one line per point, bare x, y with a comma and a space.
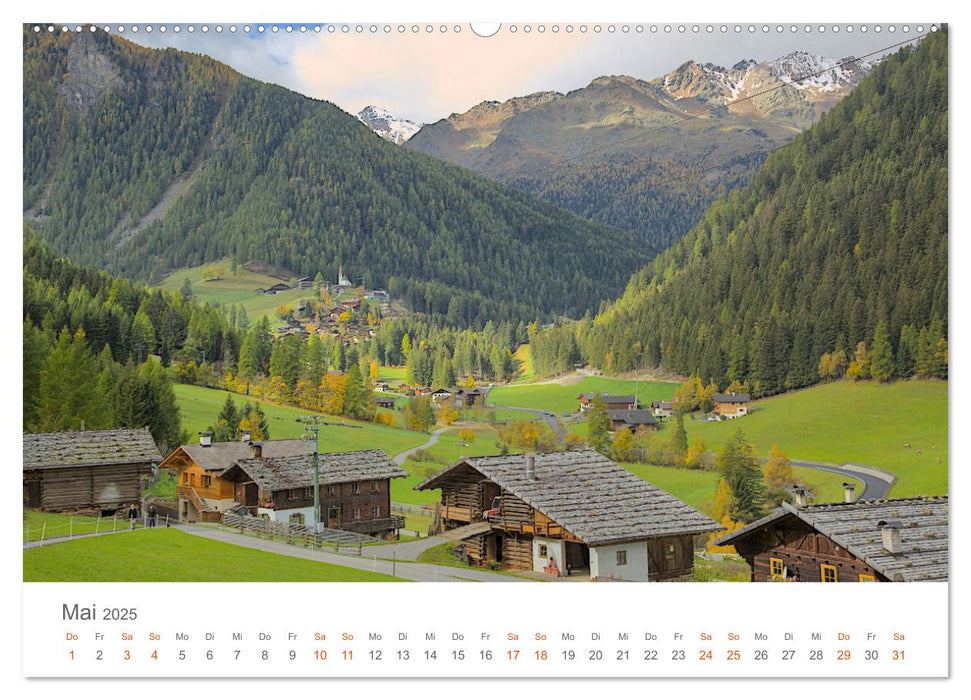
200, 406
862, 422
236, 289
164, 554
562, 399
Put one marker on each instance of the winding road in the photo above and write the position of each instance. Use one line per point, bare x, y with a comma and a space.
400, 458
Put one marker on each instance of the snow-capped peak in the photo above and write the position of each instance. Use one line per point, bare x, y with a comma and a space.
807, 70
387, 125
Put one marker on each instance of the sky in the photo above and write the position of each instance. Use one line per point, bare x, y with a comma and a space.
425, 76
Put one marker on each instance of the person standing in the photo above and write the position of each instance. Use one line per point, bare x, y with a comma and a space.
132, 515
152, 515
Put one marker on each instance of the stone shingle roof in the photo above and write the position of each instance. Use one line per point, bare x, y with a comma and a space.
638, 417
85, 448
220, 456
731, 398
296, 471
610, 398
592, 497
854, 527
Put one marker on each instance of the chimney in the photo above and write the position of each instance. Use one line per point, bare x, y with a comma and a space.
849, 492
891, 535
205, 439
245, 437
800, 492
531, 467
256, 450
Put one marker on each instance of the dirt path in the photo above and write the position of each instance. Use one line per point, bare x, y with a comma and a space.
400, 458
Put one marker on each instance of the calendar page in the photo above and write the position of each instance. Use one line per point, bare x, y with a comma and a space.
557, 348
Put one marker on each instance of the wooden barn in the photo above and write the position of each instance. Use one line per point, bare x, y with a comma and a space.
898, 539
613, 402
355, 489
731, 405
202, 493
88, 469
567, 513
632, 420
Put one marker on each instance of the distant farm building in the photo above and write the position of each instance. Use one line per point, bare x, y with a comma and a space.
731, 405
567, 513
613, 402
355, 489
275, 289
87, 469
662, 409
898, 539
304, 283
472, 398
385, 402
641, 418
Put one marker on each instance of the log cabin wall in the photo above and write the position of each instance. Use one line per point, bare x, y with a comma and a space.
106, 487
803, 552
517, 552
462, 496
476, 550
370, 494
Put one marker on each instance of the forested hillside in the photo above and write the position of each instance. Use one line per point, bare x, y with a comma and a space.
833, 261
144, 161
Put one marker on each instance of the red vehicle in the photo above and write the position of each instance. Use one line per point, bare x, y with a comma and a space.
492, 513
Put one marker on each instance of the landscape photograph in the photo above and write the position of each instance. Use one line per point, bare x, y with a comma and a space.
378, 303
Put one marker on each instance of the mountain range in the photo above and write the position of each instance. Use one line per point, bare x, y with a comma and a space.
645, 156
387, 125
143, 161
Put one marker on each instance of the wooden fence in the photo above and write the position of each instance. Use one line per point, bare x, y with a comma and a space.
294, 533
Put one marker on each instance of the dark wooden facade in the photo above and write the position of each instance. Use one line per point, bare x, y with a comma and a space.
99, 487
790, 549
670, 557
361, 506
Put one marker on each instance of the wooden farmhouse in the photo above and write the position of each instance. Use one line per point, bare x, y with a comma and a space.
632, 420
472, 398
385, 401
567, 513
202, 493
355, 489
88, 469
899, 539
613, 402
731, 405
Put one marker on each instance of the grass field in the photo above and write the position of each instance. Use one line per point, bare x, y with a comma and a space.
697, 488
562, 399
863, 422
236, 289
200, 406
392, 375
163, 554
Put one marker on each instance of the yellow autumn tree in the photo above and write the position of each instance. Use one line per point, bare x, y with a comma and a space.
448, 414
467, 435
720, 512
373, 369
623, 442
697, 455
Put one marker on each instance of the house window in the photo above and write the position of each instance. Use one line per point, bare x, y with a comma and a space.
775, 567
621, 557
185, 477
376, 512
331, 491
206, 481
308, 492
356, 514
294, 494
544, 551
375, 486
296, 518
356, 487
827, 573
867, 578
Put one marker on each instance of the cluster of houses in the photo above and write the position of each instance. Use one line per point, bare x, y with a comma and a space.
625, 411
559, 514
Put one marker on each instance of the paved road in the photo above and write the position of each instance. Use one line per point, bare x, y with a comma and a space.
551, 419
411, 571
873, 487
400, 458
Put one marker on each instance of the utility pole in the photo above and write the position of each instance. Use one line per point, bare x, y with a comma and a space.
313, 424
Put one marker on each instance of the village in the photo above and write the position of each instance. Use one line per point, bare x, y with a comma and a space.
561, 516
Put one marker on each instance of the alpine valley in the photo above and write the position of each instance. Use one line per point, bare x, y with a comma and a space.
144, 161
